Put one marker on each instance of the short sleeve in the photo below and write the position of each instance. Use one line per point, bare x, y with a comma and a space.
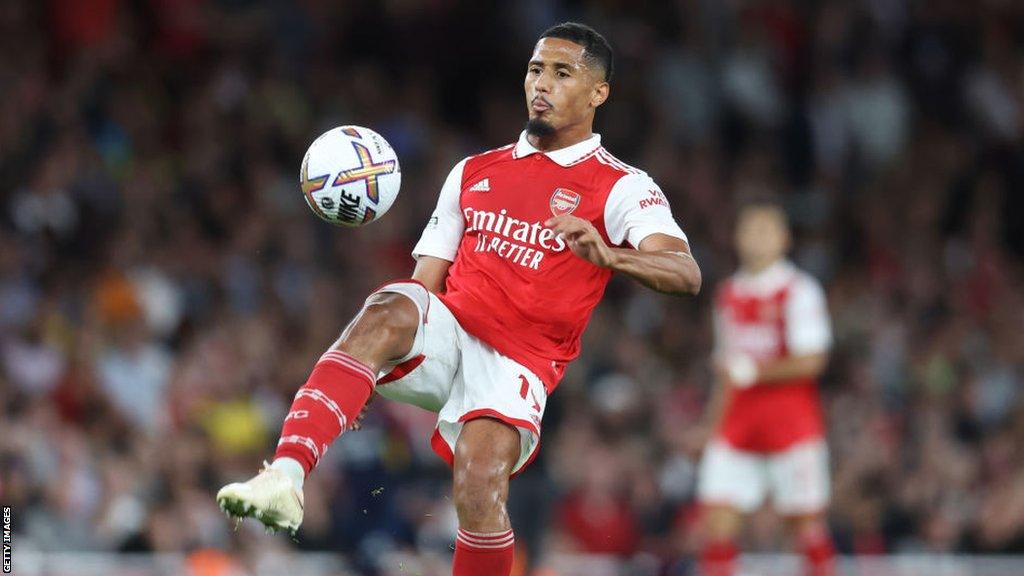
444, 230
637, 208
808, 329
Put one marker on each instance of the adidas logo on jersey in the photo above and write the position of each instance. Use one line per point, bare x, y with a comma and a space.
481, 186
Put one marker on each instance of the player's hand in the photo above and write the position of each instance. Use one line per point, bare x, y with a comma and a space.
737, 370
583, 239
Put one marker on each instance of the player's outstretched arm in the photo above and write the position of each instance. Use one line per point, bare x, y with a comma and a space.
432, 272
661, 262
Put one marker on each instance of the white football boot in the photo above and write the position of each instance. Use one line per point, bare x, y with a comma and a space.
270, 497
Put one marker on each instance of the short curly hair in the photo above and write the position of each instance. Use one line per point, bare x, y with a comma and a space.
596, 48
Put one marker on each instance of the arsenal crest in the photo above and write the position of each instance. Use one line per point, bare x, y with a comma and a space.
564, 201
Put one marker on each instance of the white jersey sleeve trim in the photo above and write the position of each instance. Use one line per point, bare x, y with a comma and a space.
808, 328
443, 234
635, 209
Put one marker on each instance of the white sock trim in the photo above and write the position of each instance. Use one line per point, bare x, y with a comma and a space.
292, 469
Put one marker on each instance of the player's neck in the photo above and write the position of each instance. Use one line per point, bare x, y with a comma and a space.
560, 138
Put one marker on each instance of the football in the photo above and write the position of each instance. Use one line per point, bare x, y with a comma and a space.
350, 176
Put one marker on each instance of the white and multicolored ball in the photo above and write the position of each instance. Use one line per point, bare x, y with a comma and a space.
350, 176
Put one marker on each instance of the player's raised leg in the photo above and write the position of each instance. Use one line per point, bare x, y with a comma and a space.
325, 406
485, 456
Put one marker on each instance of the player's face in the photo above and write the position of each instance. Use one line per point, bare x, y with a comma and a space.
762, 237
561, 88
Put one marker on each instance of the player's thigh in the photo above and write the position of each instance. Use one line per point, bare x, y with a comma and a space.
800, 479
491, 385
423, 377
385, 327
731, 478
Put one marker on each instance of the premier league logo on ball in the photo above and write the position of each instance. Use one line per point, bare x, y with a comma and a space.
350, 176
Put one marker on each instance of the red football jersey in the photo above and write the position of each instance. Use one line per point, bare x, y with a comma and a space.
776, 313
513, 283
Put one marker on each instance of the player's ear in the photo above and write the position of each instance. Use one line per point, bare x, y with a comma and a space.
599, 94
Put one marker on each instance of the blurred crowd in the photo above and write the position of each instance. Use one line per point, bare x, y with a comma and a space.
164, 289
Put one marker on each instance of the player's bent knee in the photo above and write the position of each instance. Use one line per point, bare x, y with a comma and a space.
807, 525
481, 489
721, 522
391, 315
386, 327
484, 458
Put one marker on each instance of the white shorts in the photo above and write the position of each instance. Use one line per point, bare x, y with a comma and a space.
797, 478
453, 373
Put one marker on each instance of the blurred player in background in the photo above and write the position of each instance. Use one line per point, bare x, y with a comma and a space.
509, 268
772, 336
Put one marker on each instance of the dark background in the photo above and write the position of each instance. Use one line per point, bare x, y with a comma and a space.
164, 290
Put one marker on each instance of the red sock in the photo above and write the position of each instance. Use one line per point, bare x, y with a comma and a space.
483, 554
332, 397
819, 554
719, 558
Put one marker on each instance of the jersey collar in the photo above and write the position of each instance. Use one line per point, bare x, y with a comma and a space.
563, 156
766, 281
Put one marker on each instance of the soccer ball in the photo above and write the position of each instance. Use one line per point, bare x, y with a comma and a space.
350, 176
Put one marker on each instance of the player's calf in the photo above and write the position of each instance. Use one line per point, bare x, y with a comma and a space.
719, 552
485, 455
812, 534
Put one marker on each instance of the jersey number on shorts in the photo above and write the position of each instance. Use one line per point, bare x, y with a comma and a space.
524, 389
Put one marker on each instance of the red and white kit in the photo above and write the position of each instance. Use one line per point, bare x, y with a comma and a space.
516, 300
771, 435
